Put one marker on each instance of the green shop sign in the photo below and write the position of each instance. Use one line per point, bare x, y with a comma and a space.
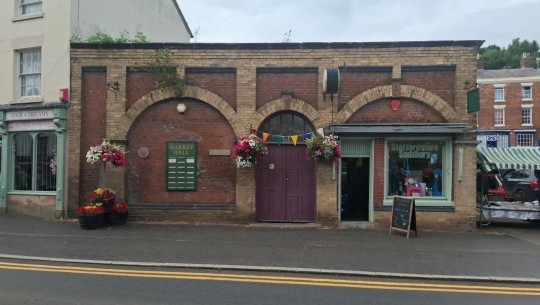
181, 166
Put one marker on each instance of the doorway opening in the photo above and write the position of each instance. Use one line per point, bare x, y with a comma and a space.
355, 189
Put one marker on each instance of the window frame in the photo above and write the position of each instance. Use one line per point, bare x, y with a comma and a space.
521, 135
499, 89
527, 108
526, 91
499, 109
34, 135
22, 75
30, 3
446, 171
503, 138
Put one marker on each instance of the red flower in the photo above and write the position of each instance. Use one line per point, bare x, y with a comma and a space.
102, 193
90, 209
120, 207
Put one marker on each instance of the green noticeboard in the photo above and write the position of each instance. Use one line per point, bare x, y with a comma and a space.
181, 166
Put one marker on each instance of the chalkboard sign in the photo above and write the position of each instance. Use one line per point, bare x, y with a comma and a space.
181, 166
403, 215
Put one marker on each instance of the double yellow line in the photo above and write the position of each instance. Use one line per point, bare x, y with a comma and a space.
280, 280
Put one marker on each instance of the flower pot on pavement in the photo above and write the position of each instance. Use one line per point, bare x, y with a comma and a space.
116, 219
90, 222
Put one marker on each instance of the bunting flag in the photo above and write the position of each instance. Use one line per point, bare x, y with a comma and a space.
285, 138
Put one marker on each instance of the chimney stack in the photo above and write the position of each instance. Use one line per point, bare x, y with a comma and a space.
527, 61
479, 62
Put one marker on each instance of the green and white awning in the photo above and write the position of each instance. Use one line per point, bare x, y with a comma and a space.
510, 157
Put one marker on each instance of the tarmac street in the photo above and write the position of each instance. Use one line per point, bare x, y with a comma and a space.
505, 252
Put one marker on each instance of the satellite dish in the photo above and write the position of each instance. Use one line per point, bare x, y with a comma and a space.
330, 81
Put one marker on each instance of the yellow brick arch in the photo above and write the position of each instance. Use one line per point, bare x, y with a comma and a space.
156, 96
412, 92
286, 104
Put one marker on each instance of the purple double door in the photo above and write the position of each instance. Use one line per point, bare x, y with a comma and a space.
286, 182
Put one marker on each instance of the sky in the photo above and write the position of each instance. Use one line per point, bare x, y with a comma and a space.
238, 21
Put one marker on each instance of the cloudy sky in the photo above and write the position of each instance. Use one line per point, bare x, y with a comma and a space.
495, 21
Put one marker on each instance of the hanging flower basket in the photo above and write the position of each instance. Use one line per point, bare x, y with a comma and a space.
248, 150
106, 152
323, 148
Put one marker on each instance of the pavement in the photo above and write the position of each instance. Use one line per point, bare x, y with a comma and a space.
506, 252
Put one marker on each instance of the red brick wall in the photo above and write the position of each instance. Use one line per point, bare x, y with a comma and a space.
93, 105
408, 112
139, 84
442, 83
222, 84
378, 175
352, 84
512, 112
161, 123
304, 86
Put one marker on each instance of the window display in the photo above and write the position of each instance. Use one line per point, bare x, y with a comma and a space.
415, 167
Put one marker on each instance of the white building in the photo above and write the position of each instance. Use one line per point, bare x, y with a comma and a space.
35, 65
35, 36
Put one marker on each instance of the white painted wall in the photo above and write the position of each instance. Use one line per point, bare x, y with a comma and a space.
51, 31
159, 20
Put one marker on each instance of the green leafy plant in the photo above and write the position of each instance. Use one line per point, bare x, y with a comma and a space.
323, 148
163, 66
104, 38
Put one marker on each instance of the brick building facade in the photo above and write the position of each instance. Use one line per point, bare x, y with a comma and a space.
234, 88
507, 115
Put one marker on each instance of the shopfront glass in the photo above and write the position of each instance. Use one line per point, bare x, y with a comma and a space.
34, 162
416, 167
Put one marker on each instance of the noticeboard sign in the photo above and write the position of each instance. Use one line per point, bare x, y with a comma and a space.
181, 166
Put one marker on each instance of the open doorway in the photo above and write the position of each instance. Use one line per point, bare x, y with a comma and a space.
355, 189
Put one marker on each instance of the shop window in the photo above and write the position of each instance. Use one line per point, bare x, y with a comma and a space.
524, 139
34, 162
416, 168
499, 140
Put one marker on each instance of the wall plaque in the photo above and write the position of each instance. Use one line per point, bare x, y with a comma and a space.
181, 166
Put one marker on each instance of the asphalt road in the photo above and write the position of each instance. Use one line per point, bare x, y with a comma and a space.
23, 282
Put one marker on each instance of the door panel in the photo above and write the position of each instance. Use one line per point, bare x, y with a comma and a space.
291, 182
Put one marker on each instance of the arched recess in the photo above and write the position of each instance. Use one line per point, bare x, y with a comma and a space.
416, 93
156, 96
284, 104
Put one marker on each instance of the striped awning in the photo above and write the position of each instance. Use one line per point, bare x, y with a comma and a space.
511, 157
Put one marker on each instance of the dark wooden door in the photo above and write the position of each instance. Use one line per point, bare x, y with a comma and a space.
286, 185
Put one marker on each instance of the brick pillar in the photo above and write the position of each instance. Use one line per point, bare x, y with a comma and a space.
327, 195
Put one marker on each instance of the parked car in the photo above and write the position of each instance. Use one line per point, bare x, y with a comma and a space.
520, 184
493, 187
